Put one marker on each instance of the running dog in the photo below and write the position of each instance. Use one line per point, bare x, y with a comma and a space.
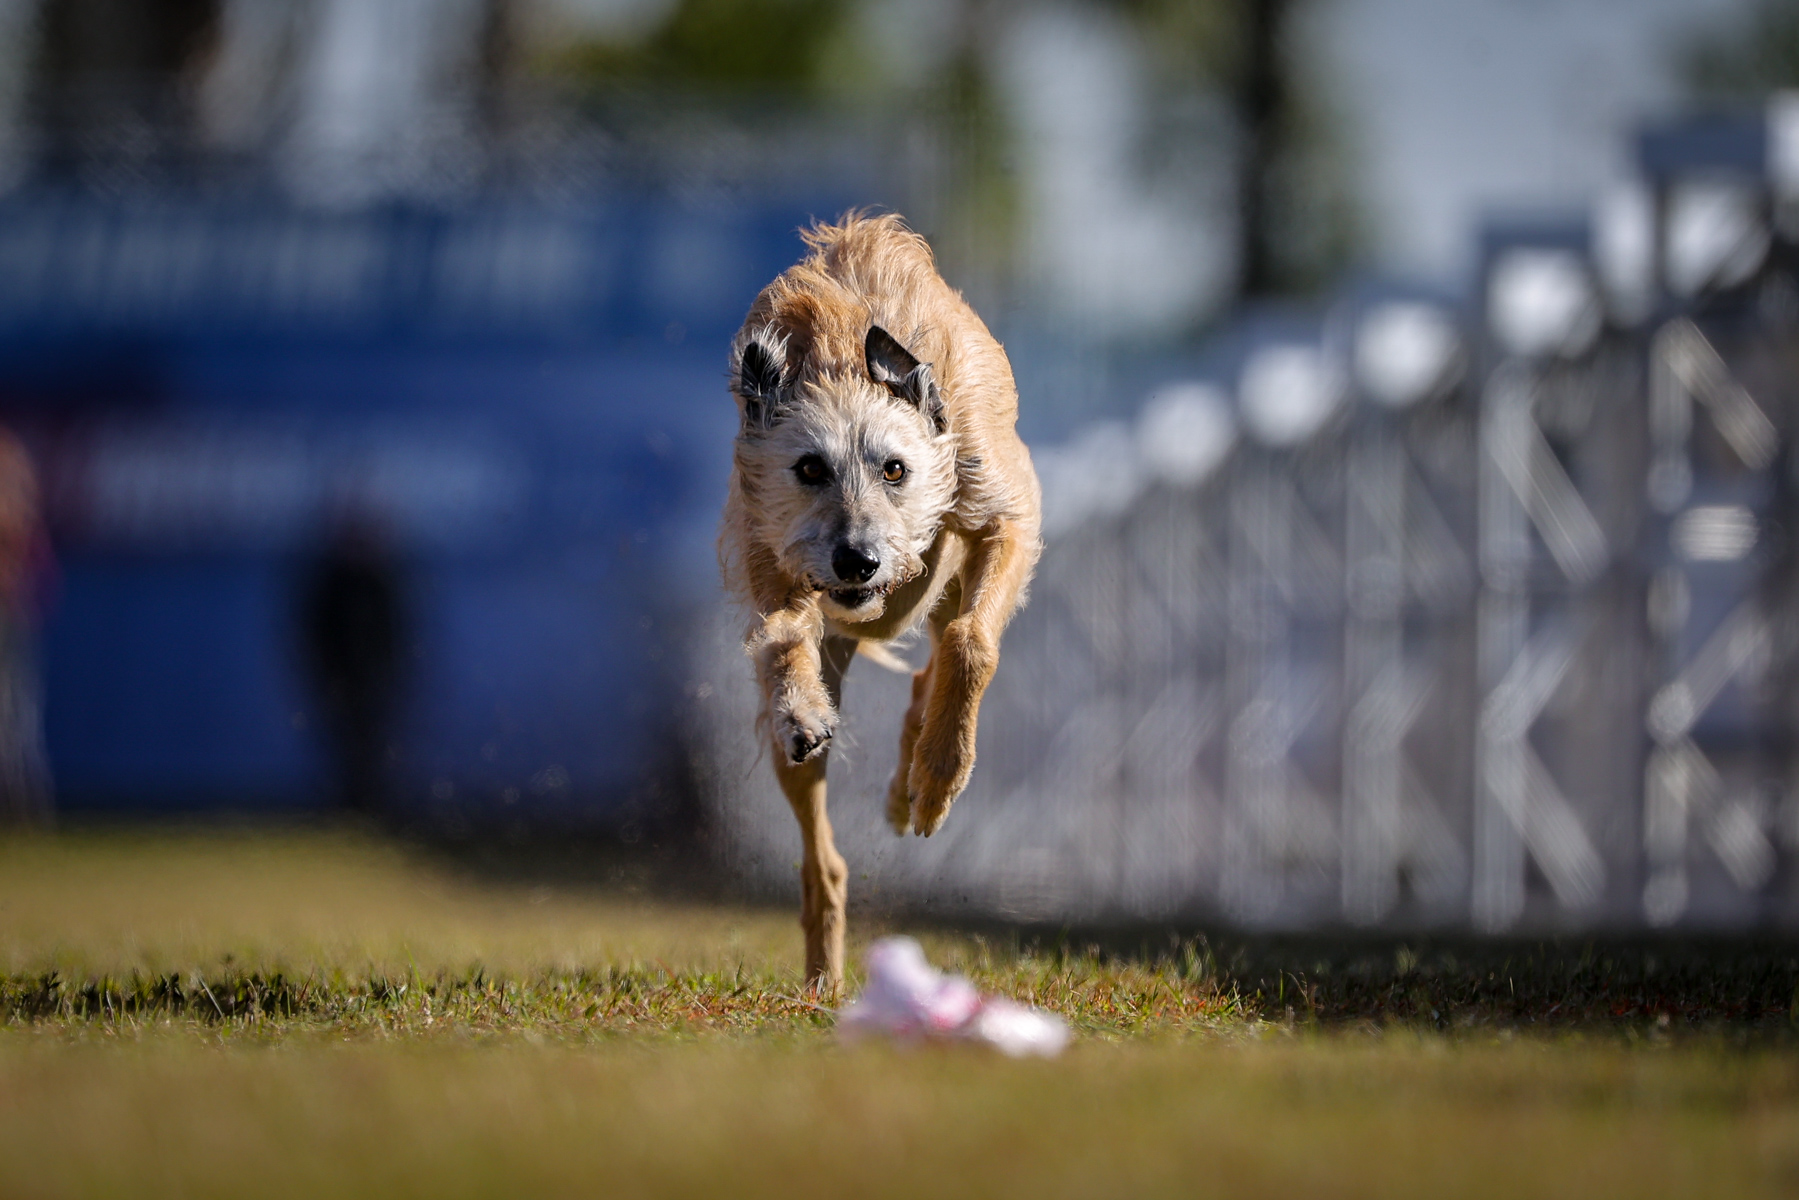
877, 484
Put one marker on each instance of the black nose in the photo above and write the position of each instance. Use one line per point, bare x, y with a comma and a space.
853, 565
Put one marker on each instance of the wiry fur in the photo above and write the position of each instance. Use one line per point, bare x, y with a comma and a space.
855, 359
856, 427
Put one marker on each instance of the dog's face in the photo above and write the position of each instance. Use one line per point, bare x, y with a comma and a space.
847, 475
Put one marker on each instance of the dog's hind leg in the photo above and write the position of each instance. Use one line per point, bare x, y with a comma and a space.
963, 659
824, 877
899, 796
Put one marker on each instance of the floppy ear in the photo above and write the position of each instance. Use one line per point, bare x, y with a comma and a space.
891, 364
758, 380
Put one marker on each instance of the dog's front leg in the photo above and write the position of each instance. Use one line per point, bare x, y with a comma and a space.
962, 664
824, 877
786, 648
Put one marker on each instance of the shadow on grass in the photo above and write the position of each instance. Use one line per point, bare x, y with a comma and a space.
1747, 984
559, 1004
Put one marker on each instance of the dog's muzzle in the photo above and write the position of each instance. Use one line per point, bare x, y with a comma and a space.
852, 599
854, 565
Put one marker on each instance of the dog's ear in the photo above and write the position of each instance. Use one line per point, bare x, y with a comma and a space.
759, 379
888, 361
893, 365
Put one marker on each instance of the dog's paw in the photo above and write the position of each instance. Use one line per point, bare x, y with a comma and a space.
940, 770
803, 734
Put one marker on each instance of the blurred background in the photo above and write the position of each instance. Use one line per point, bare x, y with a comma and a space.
1412, 385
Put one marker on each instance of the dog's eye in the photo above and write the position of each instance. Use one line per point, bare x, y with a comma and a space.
894, 471
810, 469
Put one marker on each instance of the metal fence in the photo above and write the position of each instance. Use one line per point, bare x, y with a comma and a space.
1426, 614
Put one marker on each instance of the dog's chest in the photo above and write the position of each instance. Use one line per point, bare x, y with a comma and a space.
911, 603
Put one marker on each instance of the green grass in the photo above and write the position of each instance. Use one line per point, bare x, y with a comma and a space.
215, 1014
241, 936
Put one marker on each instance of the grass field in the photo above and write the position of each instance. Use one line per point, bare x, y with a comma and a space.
316, 1014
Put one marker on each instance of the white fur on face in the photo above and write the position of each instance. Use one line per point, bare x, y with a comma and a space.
856, 428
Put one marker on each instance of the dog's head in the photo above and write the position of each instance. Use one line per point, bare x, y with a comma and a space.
847, 472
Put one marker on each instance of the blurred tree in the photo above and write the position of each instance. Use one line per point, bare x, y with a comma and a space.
1298, 225
1745, 58
925, 72
928, 113
107, 71
978, 203
775, 48
1263, 116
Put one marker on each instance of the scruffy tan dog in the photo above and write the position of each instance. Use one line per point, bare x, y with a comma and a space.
877, 483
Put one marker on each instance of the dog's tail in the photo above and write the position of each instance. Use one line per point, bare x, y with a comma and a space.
882, 655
